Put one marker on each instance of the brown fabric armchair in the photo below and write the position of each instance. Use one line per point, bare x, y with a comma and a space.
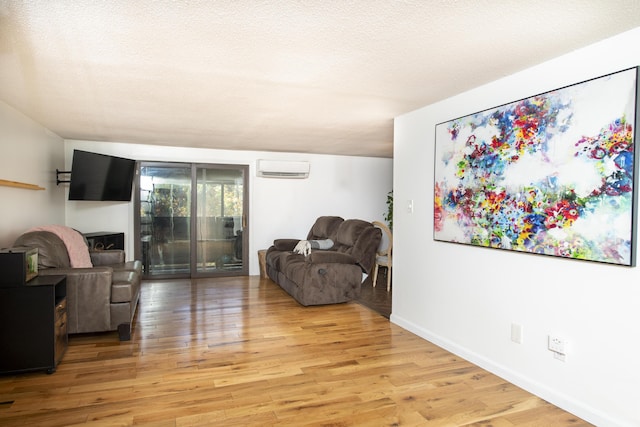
101, 298
326, 276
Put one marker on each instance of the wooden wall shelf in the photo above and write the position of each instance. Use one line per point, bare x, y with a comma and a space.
17, 184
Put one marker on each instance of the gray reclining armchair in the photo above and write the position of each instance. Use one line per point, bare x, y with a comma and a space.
101, 298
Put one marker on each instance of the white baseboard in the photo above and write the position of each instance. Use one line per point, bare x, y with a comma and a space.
560, 400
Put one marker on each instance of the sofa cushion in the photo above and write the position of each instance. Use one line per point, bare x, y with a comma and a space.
327, 257
360, 239
350, 230
108, 257
288, 258
295, 268
325, 227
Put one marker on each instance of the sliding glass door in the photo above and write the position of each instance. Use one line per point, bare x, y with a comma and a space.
165, 219
220, 220
191, 219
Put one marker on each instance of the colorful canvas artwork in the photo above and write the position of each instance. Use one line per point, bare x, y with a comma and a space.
552, 174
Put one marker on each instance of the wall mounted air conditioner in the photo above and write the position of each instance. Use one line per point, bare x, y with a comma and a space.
282, 169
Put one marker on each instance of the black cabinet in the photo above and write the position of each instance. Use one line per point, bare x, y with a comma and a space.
33, 325
105, 240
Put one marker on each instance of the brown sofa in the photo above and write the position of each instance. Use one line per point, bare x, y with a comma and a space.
101, 298
325, 276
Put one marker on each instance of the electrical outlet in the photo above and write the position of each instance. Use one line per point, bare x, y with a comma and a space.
560, 357
516, 333
557, 345
410, 206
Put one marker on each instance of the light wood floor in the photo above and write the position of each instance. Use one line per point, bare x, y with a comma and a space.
239, 351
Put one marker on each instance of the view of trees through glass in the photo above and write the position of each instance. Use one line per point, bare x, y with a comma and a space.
218, 199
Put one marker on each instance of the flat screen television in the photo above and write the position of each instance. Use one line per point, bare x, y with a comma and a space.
101, 177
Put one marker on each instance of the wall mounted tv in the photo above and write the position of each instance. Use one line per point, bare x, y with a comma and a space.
101, 177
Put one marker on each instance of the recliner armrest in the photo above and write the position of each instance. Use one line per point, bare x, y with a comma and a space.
88, 297
285, 244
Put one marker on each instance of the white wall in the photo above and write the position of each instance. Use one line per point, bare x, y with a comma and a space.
29, 154
465, 298
351, 187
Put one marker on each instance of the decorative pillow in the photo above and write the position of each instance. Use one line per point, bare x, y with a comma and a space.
331, 257
285, 244
321, 244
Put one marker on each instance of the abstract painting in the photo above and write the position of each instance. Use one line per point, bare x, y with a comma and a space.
552, 174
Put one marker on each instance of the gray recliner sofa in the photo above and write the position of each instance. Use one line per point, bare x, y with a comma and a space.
325, 276
101, 298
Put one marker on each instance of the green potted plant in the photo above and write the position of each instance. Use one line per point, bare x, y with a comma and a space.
388, 216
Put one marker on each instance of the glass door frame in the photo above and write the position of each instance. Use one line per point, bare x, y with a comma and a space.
244, 271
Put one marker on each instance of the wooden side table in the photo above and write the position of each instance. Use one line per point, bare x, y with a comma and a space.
262, 260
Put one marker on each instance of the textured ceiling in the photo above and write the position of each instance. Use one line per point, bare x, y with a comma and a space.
316, 76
